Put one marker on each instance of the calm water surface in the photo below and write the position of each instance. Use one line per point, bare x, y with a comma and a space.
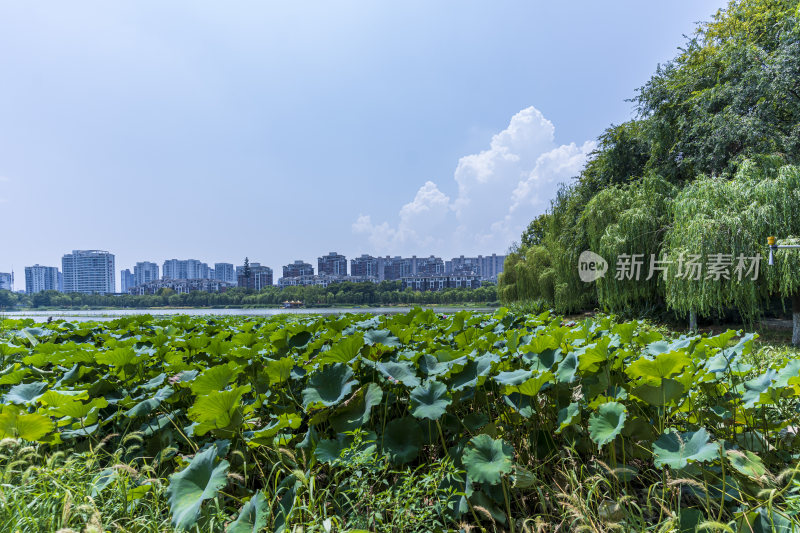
42, 316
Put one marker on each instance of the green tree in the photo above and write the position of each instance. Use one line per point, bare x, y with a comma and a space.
734, 217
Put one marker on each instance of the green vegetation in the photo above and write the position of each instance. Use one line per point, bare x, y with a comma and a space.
709, 166
347, 293
414, 422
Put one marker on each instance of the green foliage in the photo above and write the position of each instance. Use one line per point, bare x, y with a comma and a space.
200, 480
726, 107
735, 217
453, 418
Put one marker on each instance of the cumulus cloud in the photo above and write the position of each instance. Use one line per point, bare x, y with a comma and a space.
499, 191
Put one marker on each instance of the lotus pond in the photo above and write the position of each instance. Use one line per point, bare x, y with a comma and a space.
411, 422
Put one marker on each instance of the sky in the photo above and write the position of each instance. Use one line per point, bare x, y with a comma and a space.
287, 130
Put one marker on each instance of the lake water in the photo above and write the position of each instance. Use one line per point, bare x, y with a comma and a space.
110, 314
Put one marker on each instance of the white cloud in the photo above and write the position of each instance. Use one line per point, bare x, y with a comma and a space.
500, 190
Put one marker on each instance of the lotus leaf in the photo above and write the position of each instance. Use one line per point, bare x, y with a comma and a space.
402, 439
676, 450
487, 460
430, 401
199, 481
328, 387
607, 423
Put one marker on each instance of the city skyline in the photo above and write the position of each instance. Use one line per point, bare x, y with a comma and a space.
368, 266
341, 132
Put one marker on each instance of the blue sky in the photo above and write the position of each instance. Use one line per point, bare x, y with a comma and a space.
285, 130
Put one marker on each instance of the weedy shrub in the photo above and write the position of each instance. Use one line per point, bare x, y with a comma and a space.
503, 421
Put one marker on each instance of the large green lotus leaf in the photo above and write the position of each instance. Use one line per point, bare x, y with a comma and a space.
328, 451
660, 395
675, 449
791, 370
487, 459
328, 387
199, 481
596, 354
625, 331
118, 357
402, 439
153, 383
266, 435
607, 423
532, 386
543, 360
475, 421
567, 368
430, 401
473, 374
514, 377
567, 416
215, 378
755, 387
747, 463
279, 370
147, 406
402, 372
253, 516
7, 349
539, 344
356, 414
15, 423
381, 336
299, 339
25, 393
216, 409
65, 405
521, 404
344, 351
652, 371
432, 366
13, 375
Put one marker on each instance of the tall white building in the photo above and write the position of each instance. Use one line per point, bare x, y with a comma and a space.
144, 272
185, 269
126, 280
88, 272
6, 281
225, 272
41, 278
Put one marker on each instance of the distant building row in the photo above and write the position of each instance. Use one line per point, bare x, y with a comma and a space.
92, 272
333, 268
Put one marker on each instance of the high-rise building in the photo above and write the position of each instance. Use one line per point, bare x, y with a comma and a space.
185, 269
332, 264
464, 265
298, 268
391, 268
144, 272
491, 265
485, 267
6, 281
88, 272
126, 280
364, 266
41, 278
224, 272
427, 266
260, 277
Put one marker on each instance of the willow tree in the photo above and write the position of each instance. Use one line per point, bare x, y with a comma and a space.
716, 245
629, 221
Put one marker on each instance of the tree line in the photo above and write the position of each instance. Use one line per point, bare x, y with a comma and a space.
705, 172
346, 293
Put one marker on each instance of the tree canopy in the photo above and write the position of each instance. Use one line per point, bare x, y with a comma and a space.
708, 166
